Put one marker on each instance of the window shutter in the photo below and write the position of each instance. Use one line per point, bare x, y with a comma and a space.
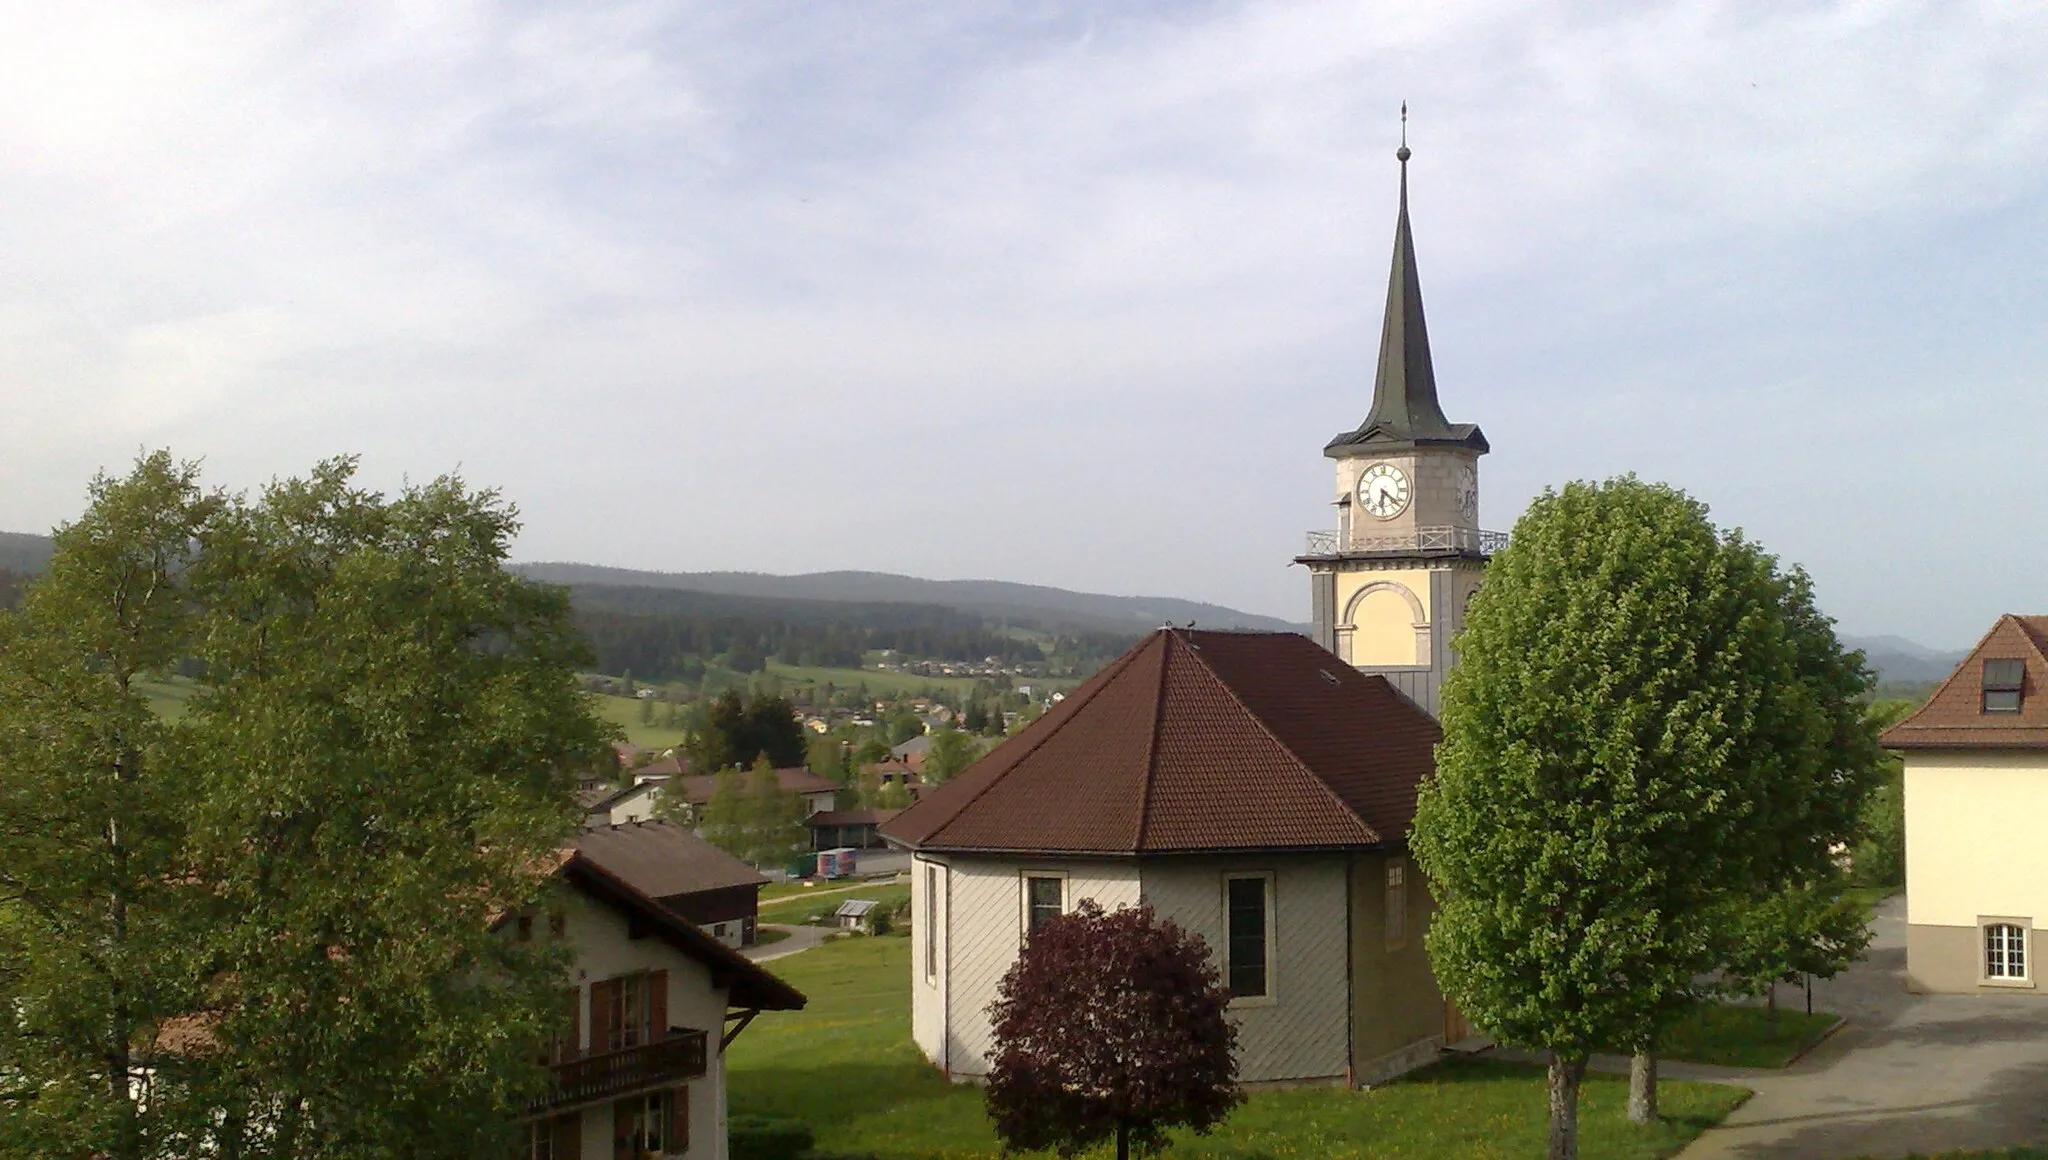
573, 1049
679, 1121
657, 1005
569, 1136
604, 1015
623, 1136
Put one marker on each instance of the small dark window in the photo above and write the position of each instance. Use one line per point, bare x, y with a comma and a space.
1247, 936
525, 928
1042, 901
2004, 681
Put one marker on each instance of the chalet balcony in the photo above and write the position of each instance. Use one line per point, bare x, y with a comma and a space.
678, 1058
1437, 541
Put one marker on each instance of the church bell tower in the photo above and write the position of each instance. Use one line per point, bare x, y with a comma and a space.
1389, 584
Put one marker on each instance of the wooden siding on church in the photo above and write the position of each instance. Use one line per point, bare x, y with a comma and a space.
1301, 1033
982, 924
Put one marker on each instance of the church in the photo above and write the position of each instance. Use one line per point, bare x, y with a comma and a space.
1254, 788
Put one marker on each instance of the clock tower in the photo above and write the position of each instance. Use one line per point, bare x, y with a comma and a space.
1389, 585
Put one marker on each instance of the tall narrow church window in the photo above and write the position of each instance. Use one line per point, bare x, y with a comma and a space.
1397, 903
1044, 900
2005, 951
2004, 682
1248, 938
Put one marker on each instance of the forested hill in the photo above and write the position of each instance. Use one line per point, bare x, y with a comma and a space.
1056, 607
665, 633
24, 553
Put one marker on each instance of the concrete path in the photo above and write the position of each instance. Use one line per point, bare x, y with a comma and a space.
1907, 1073
801, 938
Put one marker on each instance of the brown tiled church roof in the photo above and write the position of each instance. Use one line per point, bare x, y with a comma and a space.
1195, 741
1954, 717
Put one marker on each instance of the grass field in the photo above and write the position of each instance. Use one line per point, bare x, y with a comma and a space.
625, 713
797, 908
1743, 1036
846, 1066
167, 696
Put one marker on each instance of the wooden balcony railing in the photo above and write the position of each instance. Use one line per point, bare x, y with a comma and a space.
678, 1057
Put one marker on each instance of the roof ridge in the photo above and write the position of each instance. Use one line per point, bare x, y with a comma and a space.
1313, 776
1103, 680
1152, 739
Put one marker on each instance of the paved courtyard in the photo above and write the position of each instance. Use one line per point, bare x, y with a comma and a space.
1910, 1073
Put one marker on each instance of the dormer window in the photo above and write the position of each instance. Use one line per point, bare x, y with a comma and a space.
2004, 681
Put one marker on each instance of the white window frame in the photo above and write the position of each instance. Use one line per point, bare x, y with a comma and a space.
1272, 939
2025, 927
1024, 878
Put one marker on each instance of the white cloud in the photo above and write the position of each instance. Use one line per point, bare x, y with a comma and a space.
1084, 287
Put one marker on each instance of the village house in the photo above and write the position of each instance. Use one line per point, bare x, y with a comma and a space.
626, 805
640, 1070
685, 873
1977, 753
1250, 787
858, 828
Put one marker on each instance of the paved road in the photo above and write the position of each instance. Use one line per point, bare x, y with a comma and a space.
1908, 1073
801, 938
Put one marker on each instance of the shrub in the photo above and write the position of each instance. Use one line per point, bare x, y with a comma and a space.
766, 1138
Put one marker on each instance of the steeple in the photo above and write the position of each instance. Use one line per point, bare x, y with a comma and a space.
1405, 411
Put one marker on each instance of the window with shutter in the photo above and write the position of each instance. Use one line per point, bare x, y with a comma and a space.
679, 1120
657, 1006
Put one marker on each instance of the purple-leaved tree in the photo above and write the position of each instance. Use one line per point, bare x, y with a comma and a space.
1110, 1025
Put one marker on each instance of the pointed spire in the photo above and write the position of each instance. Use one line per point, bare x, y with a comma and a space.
1404, 404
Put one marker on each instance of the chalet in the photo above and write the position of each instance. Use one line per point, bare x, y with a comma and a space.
620, 807
857, 828
690, 876
640, 1070
1975, 753
1252, 788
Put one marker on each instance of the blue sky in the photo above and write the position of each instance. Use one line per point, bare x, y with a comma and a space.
1062, 294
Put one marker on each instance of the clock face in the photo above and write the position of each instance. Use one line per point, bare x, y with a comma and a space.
1468, 493
1383, 491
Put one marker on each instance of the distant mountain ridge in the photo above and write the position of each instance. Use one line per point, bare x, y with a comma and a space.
1897, 660
996, 598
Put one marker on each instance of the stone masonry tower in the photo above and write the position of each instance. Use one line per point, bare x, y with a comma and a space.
1389, 585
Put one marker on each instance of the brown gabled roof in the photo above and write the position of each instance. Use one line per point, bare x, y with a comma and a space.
859, 817
697, 790
663, 859
1195, 741
747, 983
1954, 717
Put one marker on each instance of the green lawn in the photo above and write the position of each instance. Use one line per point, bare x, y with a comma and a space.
625, 713
846, 1066
799, 909
1743, 1036
168, 695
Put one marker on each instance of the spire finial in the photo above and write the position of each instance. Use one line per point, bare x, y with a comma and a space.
1402, 153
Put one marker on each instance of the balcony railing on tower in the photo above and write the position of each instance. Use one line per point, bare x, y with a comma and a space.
1421, 541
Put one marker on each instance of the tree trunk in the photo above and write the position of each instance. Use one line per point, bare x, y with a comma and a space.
1123, 1141
1771, 1004
1564, 1105
1642, 1088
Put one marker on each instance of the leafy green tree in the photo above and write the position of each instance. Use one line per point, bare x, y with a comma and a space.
1648, 718
870, 751
771, 727
724, 822
98, 927
647, 710
975, 719
775, 817
1812, 929
903, 724
382, 751
952, 751
1879, 855
825, 756
892, 795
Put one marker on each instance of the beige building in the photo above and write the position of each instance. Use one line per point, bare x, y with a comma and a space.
656, 1001
1388, 586
1248, 786
1976, 757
